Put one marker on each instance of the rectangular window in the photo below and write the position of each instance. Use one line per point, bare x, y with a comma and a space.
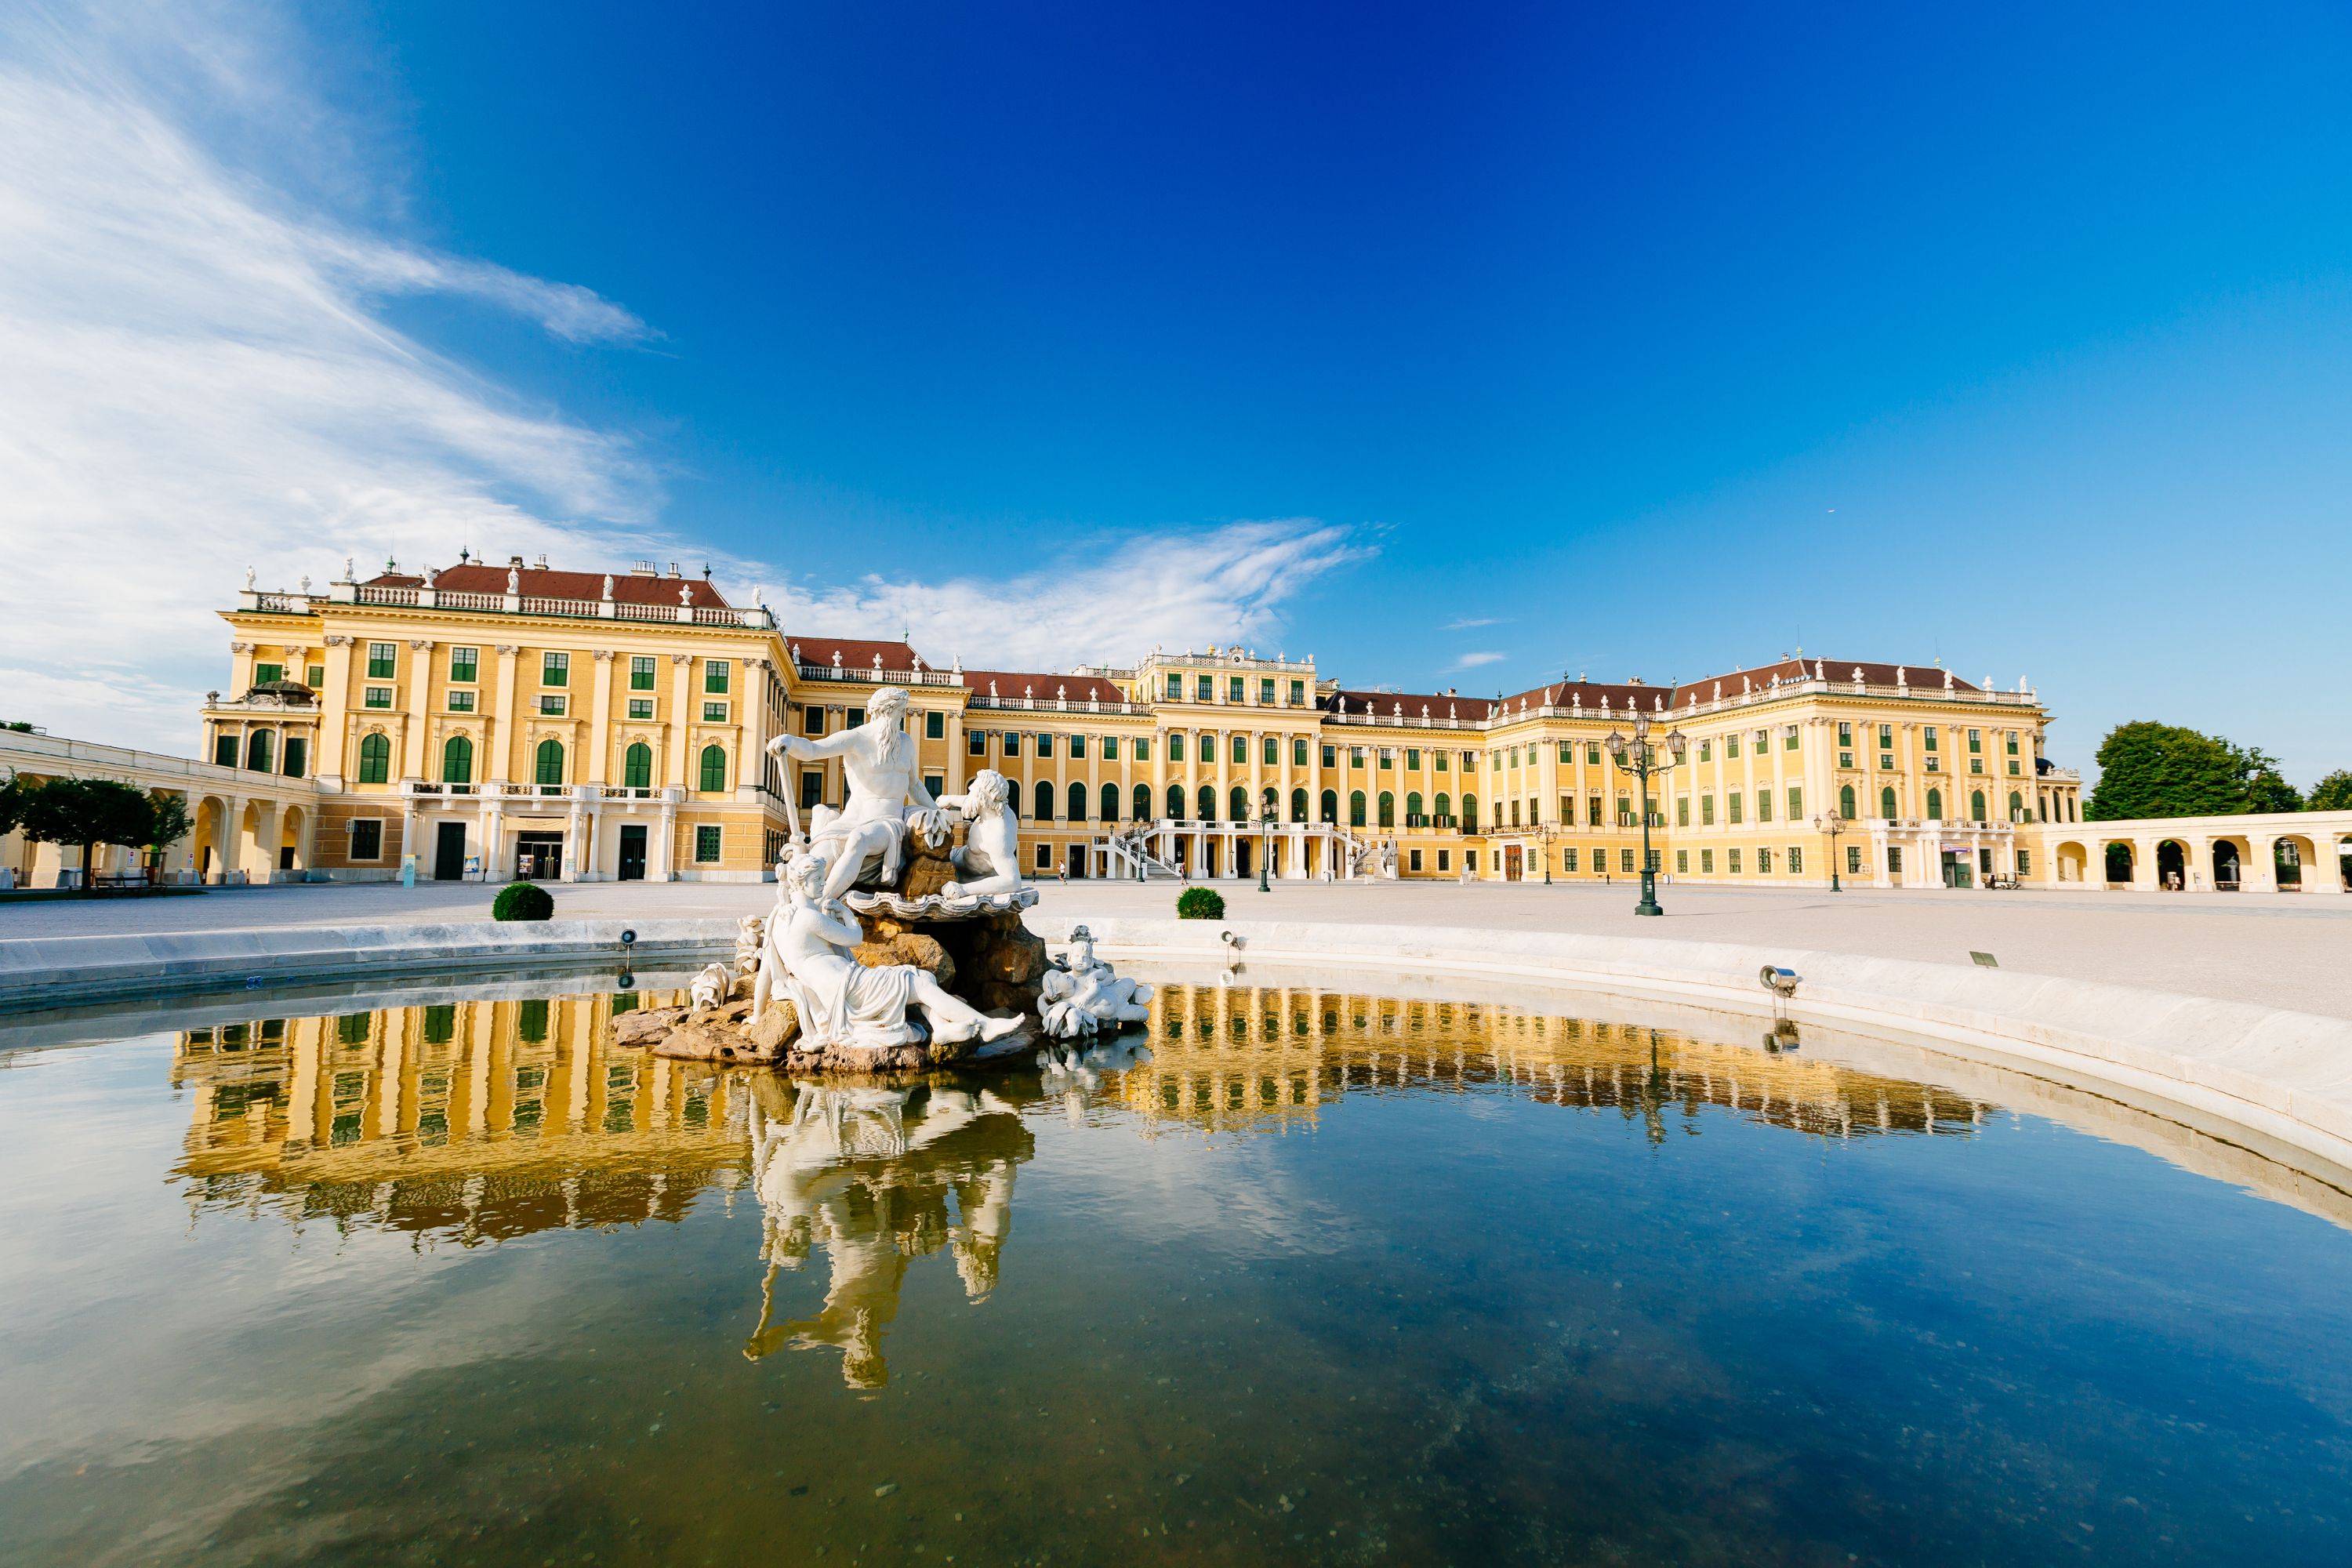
315, 678
1355, 756
1413, 758
382, 658
1567, 859
1470, 859
1270, 750
1706, 862
641, 706
1495, 763
716, 673
1682, 811
2011, 745
1796, 860
1298, 751
1731, 803
224, 751
1176, 748
1846, 759
465, 664
1928, 732
1731, 862
1707, 811
1976, 740
1789, 738
1682, 862
377, 697
812, 788
812, 719
1763, 862
461, 703
1845, 733
1469, 762
935, 725
1299, 694
1796, 803
1111, 748
1624, 811
1045, 745
641, 672
1233, 689
1886, 737
1445, 860
1624, 859
1853, 859
1265, 690
1707, 751
263, 673
1175, 688
1893, 861
367, 838
1591, 753
1205, 688
1414, 859
1012, 743
1442, 757
1567, 811
975, 742
706, 845
1388, 756
1143, 747
714, 712
1078, 748
1241, 750
2025, 863
1045, 856
1330, 756
552, 703
1567, 753
1592, 811
1763, 742
555, 670
1731, 747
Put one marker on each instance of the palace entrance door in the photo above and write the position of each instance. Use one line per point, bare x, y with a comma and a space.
633, 852
449, 852
1511, 863
539, 855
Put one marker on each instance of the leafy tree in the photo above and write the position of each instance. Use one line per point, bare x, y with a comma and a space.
172, 821
2332, 793
12, 803
2147, 769
88, 812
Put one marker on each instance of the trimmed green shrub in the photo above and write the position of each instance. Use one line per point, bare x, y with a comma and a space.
523, 901
1200, 904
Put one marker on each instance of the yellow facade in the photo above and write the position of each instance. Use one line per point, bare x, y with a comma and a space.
599, 737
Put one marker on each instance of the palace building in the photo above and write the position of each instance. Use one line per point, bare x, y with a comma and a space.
490, 719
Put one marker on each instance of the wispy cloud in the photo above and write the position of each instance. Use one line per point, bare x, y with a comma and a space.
199, 377
1473, 660
1101, 602
1472, 623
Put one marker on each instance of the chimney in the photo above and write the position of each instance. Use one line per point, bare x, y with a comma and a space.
515, 563
672, 569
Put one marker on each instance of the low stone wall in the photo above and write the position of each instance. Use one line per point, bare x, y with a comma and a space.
2283, 1077
50, 972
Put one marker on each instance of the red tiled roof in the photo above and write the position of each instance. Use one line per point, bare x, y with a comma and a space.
1840, 672
1044, 687
855, 653
1435, 704
544, 583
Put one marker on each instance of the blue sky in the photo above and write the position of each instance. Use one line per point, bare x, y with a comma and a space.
1461, 346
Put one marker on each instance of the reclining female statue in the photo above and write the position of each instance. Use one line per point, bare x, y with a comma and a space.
842, 1002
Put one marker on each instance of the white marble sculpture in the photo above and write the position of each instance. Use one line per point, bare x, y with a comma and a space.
865, 842
1082, 995
989, 859
751, 938
842, 1002
710, 986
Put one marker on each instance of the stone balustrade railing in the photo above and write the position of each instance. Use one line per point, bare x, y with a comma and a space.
758, 617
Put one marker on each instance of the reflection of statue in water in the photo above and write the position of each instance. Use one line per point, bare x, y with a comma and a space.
844, 1002
866, 841
868, 1174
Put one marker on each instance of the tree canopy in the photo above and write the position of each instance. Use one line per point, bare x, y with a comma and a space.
2147, 769
2332, 793
88, 812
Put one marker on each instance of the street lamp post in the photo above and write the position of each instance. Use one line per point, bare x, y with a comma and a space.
1831, 823
1265, 844
1639, 756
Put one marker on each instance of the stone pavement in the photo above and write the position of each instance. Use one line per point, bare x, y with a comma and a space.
2279, 950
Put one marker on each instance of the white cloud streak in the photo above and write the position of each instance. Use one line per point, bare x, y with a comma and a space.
1472, 623
1473, 660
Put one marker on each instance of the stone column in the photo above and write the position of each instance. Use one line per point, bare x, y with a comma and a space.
681, 716
599, 746
413, 763
752, 763
502, 724
663, 849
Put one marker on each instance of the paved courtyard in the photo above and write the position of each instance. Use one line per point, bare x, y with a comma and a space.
2284, 949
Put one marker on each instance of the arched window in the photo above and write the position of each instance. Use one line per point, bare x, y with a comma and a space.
1298, 805
457, 760
1355, 808
1045, 800
375, 758
1078, 802
1845, 801
1976, 805
2016, 806
1269, 804
1388, 808
638, 766
1331, 803
1469, 812
1207, 804
1886, 802
1143, 803
1239, 802
1444, 806
551, 762
1110, 803
1412, 808
1934, 806
1176, 802
260, 751
714, 769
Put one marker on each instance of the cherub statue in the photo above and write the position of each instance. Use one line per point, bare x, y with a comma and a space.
841, 1001
1081, 995
989, 860
866, 841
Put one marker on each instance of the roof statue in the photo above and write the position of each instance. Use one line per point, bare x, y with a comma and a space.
608, 585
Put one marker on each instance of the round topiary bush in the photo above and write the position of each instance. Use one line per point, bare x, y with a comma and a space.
1200, 904
523, 901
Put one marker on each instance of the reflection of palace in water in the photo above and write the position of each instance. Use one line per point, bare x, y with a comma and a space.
1234, 1057
484, 1120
